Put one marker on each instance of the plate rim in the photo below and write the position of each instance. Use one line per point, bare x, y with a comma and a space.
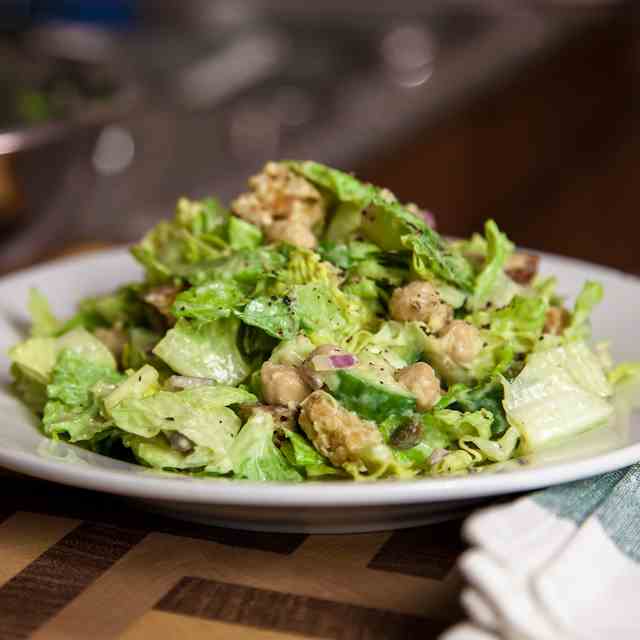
242, 493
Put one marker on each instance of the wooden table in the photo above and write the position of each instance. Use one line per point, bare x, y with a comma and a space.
77, 564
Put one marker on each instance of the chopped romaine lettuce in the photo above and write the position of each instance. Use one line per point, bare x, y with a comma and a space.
553, 399
171, 249
275, 316
243, 234
519, 325
254, 455
199, 414
579, 326
301, 454
208, 301
338, 184
36, 357
499, 248
204, 350
43, 323
73, 377
163, 371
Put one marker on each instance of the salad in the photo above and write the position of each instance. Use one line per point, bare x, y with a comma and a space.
319, 328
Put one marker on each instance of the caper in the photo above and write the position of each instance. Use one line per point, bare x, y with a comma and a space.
179, 442
406, 436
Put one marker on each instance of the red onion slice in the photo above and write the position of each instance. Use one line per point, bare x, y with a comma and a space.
332, 362
344, 361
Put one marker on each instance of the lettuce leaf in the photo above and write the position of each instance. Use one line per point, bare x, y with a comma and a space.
579, 326
36, 357
138, 349
499, 248
200, 414
250, 268
488, 396
31, 391
195, 235
157, 453
254, 456
328, 313
209, 301
73, 377
243, 234
553, 398
43, 323
434, 257
390, 225
301, 454
72, 409
277, 317
342, 186
207, 350
625, 372
519, 325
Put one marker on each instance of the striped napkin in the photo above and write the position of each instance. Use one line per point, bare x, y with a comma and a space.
559, 564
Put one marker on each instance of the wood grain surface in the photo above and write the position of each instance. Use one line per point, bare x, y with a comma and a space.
78, 564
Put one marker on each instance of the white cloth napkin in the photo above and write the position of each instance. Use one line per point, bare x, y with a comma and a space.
560, 564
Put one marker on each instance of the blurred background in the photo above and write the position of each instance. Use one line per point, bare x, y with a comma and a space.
523, 110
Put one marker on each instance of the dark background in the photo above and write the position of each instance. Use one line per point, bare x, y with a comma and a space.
523, 111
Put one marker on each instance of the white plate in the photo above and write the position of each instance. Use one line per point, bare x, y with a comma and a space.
314, 506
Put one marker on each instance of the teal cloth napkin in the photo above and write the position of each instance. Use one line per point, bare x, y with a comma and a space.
558, 564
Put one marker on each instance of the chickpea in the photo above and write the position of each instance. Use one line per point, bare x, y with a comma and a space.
420, 301
420, 379
337, 433
283, 385
462, 341
292, 232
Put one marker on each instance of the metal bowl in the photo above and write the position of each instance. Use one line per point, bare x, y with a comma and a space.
36, 161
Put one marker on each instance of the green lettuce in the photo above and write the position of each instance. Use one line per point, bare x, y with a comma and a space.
73, 377
434, 257
342, 186
254, 455
243, 234
207, 350
209, 301
625, 372
499, 248
488, 396
137, 351
31, 391
43, 323
251, 268
519, 325
72, 408
157, 453
138, 384
36, 357
277, 317
390, 225
554, 398
200, 414
195, 235
328, 313
301, 454
579, 326
74, 423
